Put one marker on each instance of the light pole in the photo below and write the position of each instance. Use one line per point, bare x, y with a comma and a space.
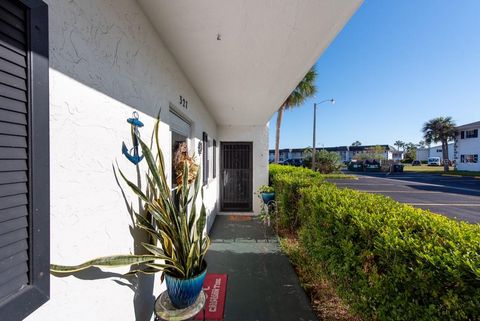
332, 101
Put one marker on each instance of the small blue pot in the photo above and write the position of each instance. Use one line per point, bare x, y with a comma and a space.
184, 292
268, 197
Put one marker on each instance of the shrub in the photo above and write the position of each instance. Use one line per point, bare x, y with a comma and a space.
287, 181
265, 189
325, 162
390, 261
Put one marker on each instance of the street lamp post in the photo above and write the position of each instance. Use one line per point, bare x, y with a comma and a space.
332, 101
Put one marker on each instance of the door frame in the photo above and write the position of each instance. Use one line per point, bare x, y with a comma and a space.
222, 144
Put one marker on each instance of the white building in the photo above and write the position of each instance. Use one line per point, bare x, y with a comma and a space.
435, 151
467, 147
286, 153
388, 152
72, 72
346, 153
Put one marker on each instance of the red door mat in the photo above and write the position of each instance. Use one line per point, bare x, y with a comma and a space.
215, 288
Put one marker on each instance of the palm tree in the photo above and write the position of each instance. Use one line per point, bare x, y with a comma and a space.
440, 129
399, 144
357, 143
306, 88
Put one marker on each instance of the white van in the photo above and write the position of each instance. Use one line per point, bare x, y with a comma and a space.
434, 161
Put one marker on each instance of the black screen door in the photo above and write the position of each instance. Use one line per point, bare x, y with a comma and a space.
236, 187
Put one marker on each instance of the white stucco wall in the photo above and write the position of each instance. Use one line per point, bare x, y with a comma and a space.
106, 61
258, 135
422, 154
435, 151
467, 146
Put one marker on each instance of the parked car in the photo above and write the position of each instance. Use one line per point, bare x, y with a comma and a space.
416, 163
450, 163
298, 162
292, 162
287, 162
434, 161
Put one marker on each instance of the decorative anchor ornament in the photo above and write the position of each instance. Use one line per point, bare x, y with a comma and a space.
135, 124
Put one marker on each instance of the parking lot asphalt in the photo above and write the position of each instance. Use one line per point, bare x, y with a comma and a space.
455, 197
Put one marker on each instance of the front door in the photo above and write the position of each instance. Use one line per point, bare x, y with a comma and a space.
236, 172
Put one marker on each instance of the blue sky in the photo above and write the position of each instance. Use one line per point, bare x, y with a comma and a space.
395, 65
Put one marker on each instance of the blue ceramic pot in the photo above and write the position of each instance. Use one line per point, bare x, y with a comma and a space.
184, 292
268, 197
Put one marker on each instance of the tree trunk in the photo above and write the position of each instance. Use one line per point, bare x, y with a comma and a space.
445, 155
277, 134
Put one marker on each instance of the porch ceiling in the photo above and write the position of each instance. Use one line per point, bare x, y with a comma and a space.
265, 48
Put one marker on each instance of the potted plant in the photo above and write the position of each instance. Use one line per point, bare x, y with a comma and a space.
178, 242
267, 193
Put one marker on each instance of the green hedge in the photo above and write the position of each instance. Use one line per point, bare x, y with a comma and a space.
287, 182
388, 260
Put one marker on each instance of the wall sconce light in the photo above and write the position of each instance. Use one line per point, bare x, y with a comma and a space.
200, 148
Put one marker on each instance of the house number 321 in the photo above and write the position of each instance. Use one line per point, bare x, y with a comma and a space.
183, 102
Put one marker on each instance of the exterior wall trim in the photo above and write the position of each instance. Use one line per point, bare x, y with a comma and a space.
37, 292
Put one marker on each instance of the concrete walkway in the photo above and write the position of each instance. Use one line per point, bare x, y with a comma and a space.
262, 285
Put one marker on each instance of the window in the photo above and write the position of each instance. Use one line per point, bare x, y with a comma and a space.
462, 135
205, 158
472, 158
24, 160
214, 158
471, 133
439, 150
178, 123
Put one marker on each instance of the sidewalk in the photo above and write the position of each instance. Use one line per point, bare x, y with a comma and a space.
262, 285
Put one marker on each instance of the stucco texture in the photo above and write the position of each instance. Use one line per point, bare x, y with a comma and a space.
105, 62
467, 146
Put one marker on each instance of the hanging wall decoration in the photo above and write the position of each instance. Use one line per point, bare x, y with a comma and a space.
132, 154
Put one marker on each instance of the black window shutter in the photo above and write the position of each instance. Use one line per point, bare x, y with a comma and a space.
205, 158
462, 134
24, 162
214, 158
475, 133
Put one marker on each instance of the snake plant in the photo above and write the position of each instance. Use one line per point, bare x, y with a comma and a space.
178, 242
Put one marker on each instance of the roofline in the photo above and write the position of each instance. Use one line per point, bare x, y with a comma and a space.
474, 124
340, 148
